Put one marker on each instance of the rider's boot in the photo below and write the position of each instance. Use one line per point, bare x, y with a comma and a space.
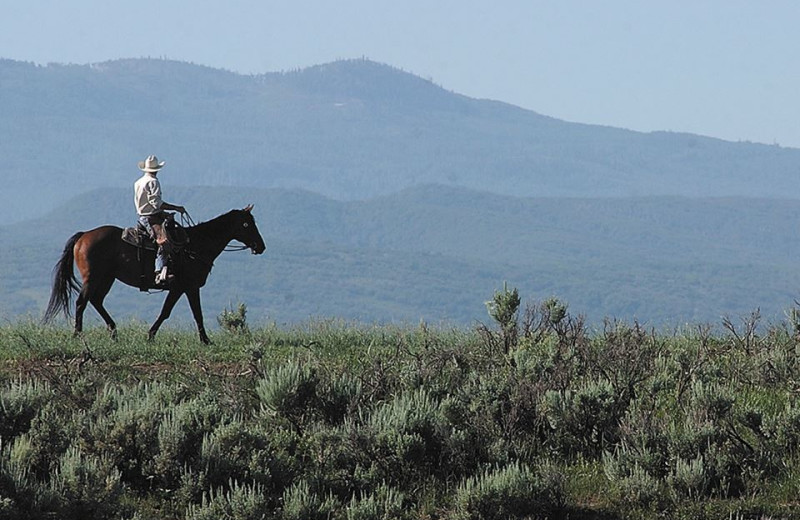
163, 277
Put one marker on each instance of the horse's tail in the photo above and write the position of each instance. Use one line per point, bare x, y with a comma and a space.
64, 282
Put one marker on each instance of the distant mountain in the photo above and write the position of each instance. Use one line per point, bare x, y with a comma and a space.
348, 130
438, 253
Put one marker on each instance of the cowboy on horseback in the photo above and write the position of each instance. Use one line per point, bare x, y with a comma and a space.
152, 212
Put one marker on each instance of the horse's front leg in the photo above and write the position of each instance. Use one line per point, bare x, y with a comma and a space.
172, 298
194, 302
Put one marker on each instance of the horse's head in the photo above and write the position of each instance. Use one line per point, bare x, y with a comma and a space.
246, 231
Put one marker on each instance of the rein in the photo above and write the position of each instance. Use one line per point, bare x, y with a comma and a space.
187, 220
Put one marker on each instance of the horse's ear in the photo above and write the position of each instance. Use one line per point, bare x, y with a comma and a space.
248, 208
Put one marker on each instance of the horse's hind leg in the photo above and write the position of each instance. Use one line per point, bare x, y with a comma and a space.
80, 307
94, 293
172, 298
94, 261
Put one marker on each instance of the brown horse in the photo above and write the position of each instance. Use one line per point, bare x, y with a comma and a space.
101, 257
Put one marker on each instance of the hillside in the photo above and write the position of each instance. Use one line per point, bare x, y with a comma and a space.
347, 130
438, 252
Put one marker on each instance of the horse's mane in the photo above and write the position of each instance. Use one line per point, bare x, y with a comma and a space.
214, 226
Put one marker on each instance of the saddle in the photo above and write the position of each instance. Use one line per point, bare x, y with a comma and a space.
138, 236
172, 237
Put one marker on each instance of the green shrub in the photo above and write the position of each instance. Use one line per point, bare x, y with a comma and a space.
645, 441
495, 417
128, 432
237, 502
49, 437
504, 310
234, 321
689, 478
710, 401
338, 453
301, 503
504, 307
700, 455
193, 485
290, 391
410, 436
777, 361
178, 442
338, 397
19, 459
586, 420
20, 401
634, 486
385, 503
250, 452
786, 427
180, 434
86, 486
465, 448
549, 362
22, 495
512, 491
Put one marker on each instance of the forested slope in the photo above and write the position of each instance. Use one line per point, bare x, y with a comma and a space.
437, 252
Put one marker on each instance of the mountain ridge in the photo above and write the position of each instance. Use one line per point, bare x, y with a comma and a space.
349, 130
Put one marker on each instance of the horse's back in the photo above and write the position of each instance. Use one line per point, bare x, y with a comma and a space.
107, 229
102, 236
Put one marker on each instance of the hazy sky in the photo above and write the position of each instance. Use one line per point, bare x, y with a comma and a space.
724, 68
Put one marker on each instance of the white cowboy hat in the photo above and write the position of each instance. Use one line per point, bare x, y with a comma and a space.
151, 164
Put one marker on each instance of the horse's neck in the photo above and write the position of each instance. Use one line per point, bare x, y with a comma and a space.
211, 236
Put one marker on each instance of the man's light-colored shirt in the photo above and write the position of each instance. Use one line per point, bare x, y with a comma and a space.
147, 195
